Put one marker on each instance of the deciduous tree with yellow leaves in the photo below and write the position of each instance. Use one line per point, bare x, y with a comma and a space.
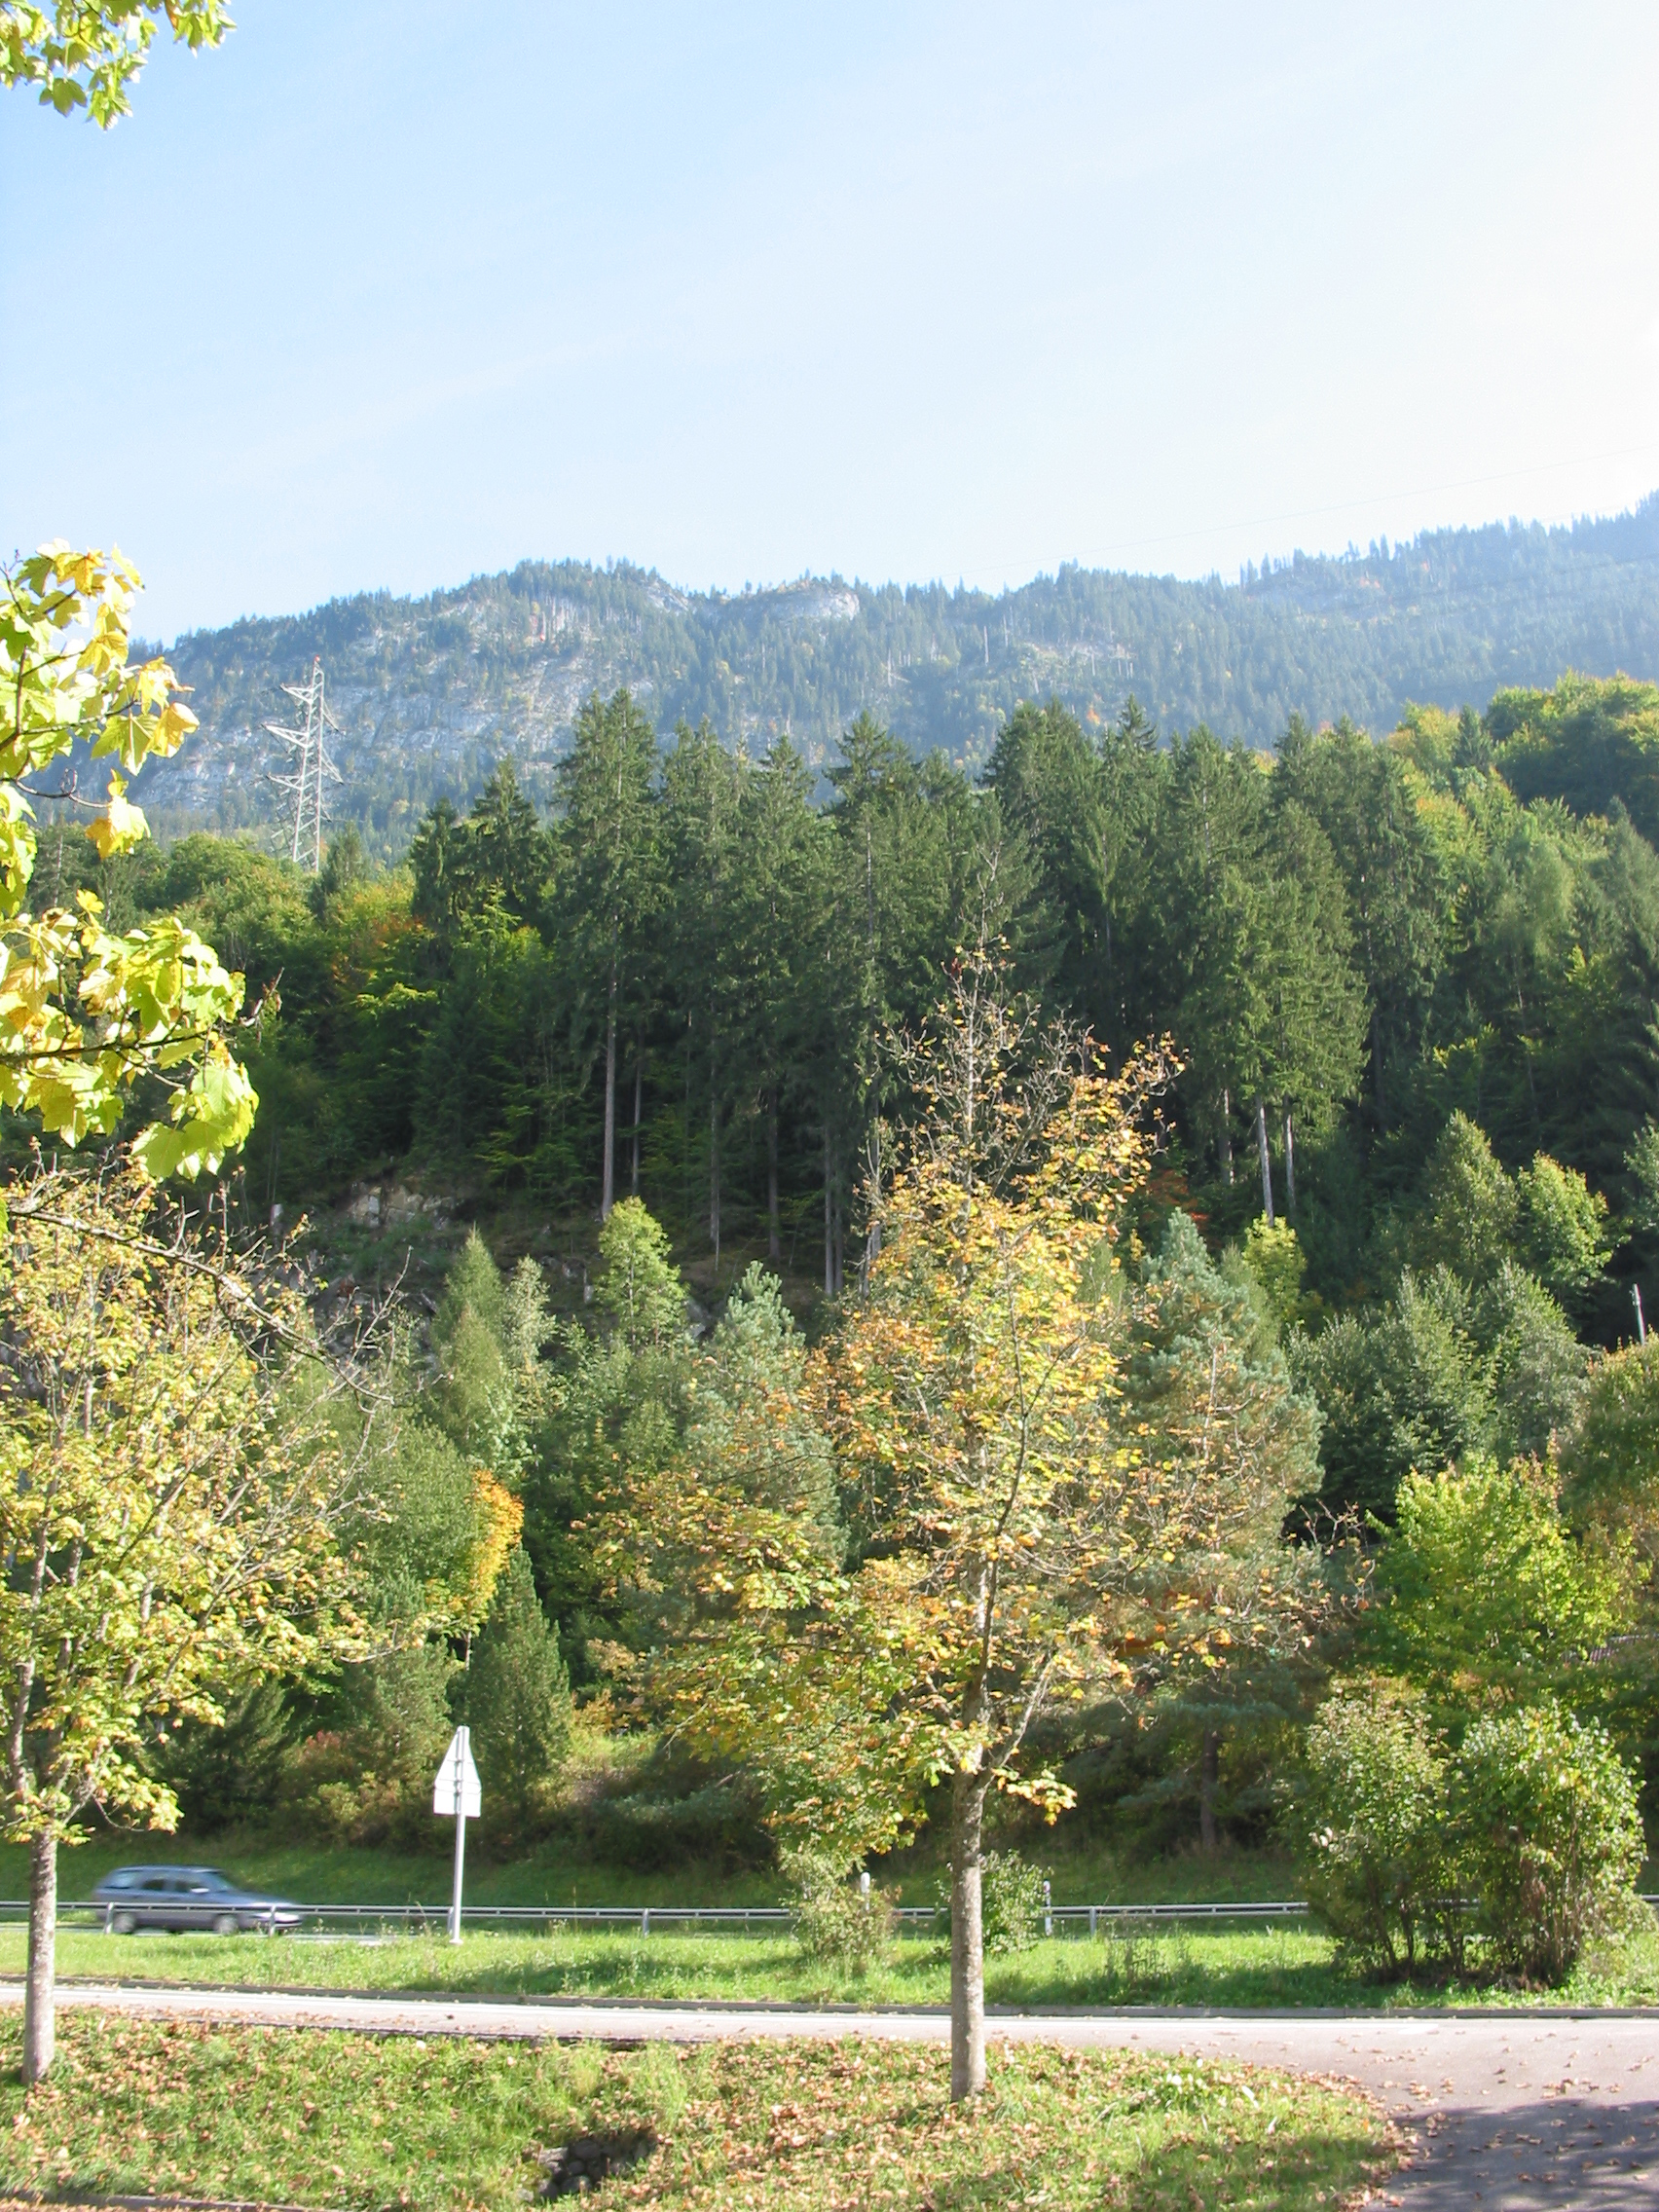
85, 52
83, 1011
180, 1477
1021, 1541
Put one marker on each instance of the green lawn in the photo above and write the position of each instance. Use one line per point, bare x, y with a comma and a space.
319, 1874
359, 2124
1249, 1964
1083, 1873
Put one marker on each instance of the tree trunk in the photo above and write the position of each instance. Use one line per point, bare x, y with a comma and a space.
967, 1940
1267, 1169
1227, 1135
714, 1179
1289, 1169
828, 1225
40, 2022
607, 1180
774, 1234
1379, 1086
639, 1109
873, 1236
1208, 1760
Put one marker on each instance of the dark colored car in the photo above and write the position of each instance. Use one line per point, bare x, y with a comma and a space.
181, 1898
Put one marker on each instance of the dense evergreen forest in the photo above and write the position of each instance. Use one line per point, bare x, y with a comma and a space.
650, 1040
431, 693
1382, 965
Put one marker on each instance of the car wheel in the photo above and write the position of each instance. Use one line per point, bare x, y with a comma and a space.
227, 1924
125, 1923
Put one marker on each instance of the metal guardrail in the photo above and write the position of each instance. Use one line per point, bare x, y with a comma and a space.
918, 1919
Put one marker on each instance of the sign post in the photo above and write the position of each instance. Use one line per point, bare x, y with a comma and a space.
456, 1795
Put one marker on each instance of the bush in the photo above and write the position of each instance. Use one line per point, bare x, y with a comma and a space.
370, 1780
1275, 1259
1010, 1902
1371, 1825
717, 1824
331, 1793
833, 1924
1548, 1810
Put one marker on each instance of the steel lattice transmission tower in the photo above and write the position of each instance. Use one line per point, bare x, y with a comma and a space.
308, 741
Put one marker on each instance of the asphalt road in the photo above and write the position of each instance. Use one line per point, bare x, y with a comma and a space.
1521, 2112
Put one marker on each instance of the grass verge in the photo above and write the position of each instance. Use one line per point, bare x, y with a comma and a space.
1272, 1968
1084, 1872
357, 2123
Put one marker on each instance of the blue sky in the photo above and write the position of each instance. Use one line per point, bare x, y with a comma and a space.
387, 292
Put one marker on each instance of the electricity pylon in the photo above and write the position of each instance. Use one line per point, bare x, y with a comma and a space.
309, 741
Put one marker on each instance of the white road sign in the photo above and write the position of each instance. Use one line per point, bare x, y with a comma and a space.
458, 1761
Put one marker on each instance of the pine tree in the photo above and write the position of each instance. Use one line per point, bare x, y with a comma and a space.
782, 884
1207, 1390
1364, 797
704, 788
518, 1694
611, 887
1051, 789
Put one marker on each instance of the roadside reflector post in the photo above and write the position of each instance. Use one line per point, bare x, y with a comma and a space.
456, 1796
1048, 1911
864, 1890
1640, 1324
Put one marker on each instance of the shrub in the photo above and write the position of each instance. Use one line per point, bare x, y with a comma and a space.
331, 1793
369, 1779
1548, 1810
833, 1924
1274, 1258
1370, 1824
719, 1825
1010, 1902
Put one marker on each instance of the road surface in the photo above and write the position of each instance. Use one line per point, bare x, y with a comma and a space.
1510, 2112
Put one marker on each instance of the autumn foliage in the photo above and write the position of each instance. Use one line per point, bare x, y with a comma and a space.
1016, 1540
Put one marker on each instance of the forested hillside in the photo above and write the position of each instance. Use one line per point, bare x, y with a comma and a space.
831, 1226
1406, 1183
430, 693
680, 981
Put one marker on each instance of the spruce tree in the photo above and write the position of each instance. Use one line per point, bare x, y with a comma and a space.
610, 882
518, 1694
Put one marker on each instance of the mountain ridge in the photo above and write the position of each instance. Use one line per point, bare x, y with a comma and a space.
431, 692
